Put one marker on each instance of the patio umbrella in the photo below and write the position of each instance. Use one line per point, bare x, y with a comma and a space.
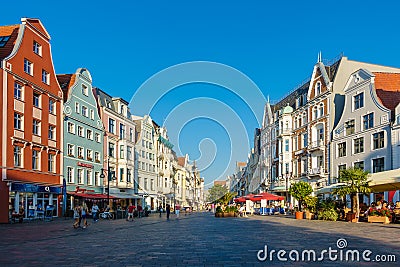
266, 196
240, 199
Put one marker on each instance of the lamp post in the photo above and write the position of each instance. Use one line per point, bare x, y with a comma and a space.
174, 182
287, 176
110, 177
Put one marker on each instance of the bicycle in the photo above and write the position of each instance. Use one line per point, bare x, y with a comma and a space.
106, 215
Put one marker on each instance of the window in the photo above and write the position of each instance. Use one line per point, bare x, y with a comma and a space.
121, 152
321, 110
128, 152
97, 157
89, 177
122, 109
52, 104
3, 40
80, 131
320, 161
35, 160
36, 127
50, 163
152, 184
111, 125
304, 119
286, 168
359, 165
358, 145
45, 77
71, 127
320, 134
315, 113
368, 121
295, 145
121, 174
97, 178
52, 132
17, 91
97, 137
28, 67
350, 128
131, 134
80, 152
80, 176
85, 111
71, 150
342, 149
89, 134
318, 88
85, 90
378, 140
305, 140
17, 121
121, 131
111, 149
36, 99
17, 156
77, 107
341, 168
37, 48
92, 114
359, 101
70, 174
286, 145
89, 154
128, 175
145, 183
378, 165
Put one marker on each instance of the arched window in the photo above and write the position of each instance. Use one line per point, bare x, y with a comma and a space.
321, 110
315, 113
318, 88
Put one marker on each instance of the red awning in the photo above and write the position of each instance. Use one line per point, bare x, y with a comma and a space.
266, 196
240, 199
90, 195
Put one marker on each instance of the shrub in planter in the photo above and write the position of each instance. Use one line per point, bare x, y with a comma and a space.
328, 215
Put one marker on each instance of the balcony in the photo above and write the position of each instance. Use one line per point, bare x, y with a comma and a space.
316, 145
319, 171
284, 131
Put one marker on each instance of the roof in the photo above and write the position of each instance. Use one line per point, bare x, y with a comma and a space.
387, 87
181, 161
291, 98
12, 32
241, 163
66, 81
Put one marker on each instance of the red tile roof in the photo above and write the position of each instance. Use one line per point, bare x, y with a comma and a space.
11, 31
66, 81
387, 87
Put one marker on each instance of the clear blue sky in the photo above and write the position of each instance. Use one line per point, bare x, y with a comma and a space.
274, 43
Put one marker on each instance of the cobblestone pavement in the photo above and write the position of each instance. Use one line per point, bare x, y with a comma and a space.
198, 239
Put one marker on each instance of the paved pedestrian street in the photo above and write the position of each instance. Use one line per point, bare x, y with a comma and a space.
198, 239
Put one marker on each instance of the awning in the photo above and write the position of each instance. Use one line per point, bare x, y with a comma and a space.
122, 195
279, 189
385, 181
89, 195
266, 196
328, 189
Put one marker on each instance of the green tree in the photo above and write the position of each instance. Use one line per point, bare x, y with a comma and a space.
300, 191
216, 192
224, 200
355, 182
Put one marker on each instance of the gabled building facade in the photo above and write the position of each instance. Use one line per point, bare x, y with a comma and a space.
119, 147
83, 136
31, 106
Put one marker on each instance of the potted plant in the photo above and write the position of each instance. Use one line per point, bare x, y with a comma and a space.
327, 211
355, 182
300, 190
379, 216
219, 212
311, 206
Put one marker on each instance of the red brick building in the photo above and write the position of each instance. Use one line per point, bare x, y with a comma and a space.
31, 121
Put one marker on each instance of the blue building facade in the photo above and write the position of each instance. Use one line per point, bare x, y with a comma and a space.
83, 138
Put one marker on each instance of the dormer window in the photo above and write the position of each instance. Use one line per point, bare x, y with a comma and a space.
85, 90
122, 109
318, 88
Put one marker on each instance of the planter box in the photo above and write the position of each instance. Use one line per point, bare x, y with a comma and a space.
309, 215
299, 215
351, 217
378, 219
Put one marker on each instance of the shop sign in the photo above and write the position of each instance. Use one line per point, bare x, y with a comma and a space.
35, 188
86, 165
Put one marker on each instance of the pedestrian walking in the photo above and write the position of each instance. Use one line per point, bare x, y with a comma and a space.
177, 212
131, 208
160, 209
84, 213
77, 217
95, 211
168, 210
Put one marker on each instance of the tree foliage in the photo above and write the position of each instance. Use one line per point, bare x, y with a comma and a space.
224, 200
216, 192
300, 191
355, 182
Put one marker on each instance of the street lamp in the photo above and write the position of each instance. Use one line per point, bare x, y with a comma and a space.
110, 177
287, 176
174, 182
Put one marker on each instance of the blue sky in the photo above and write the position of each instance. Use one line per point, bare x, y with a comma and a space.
274, 43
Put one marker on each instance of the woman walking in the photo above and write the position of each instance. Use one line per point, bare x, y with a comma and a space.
77, 217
